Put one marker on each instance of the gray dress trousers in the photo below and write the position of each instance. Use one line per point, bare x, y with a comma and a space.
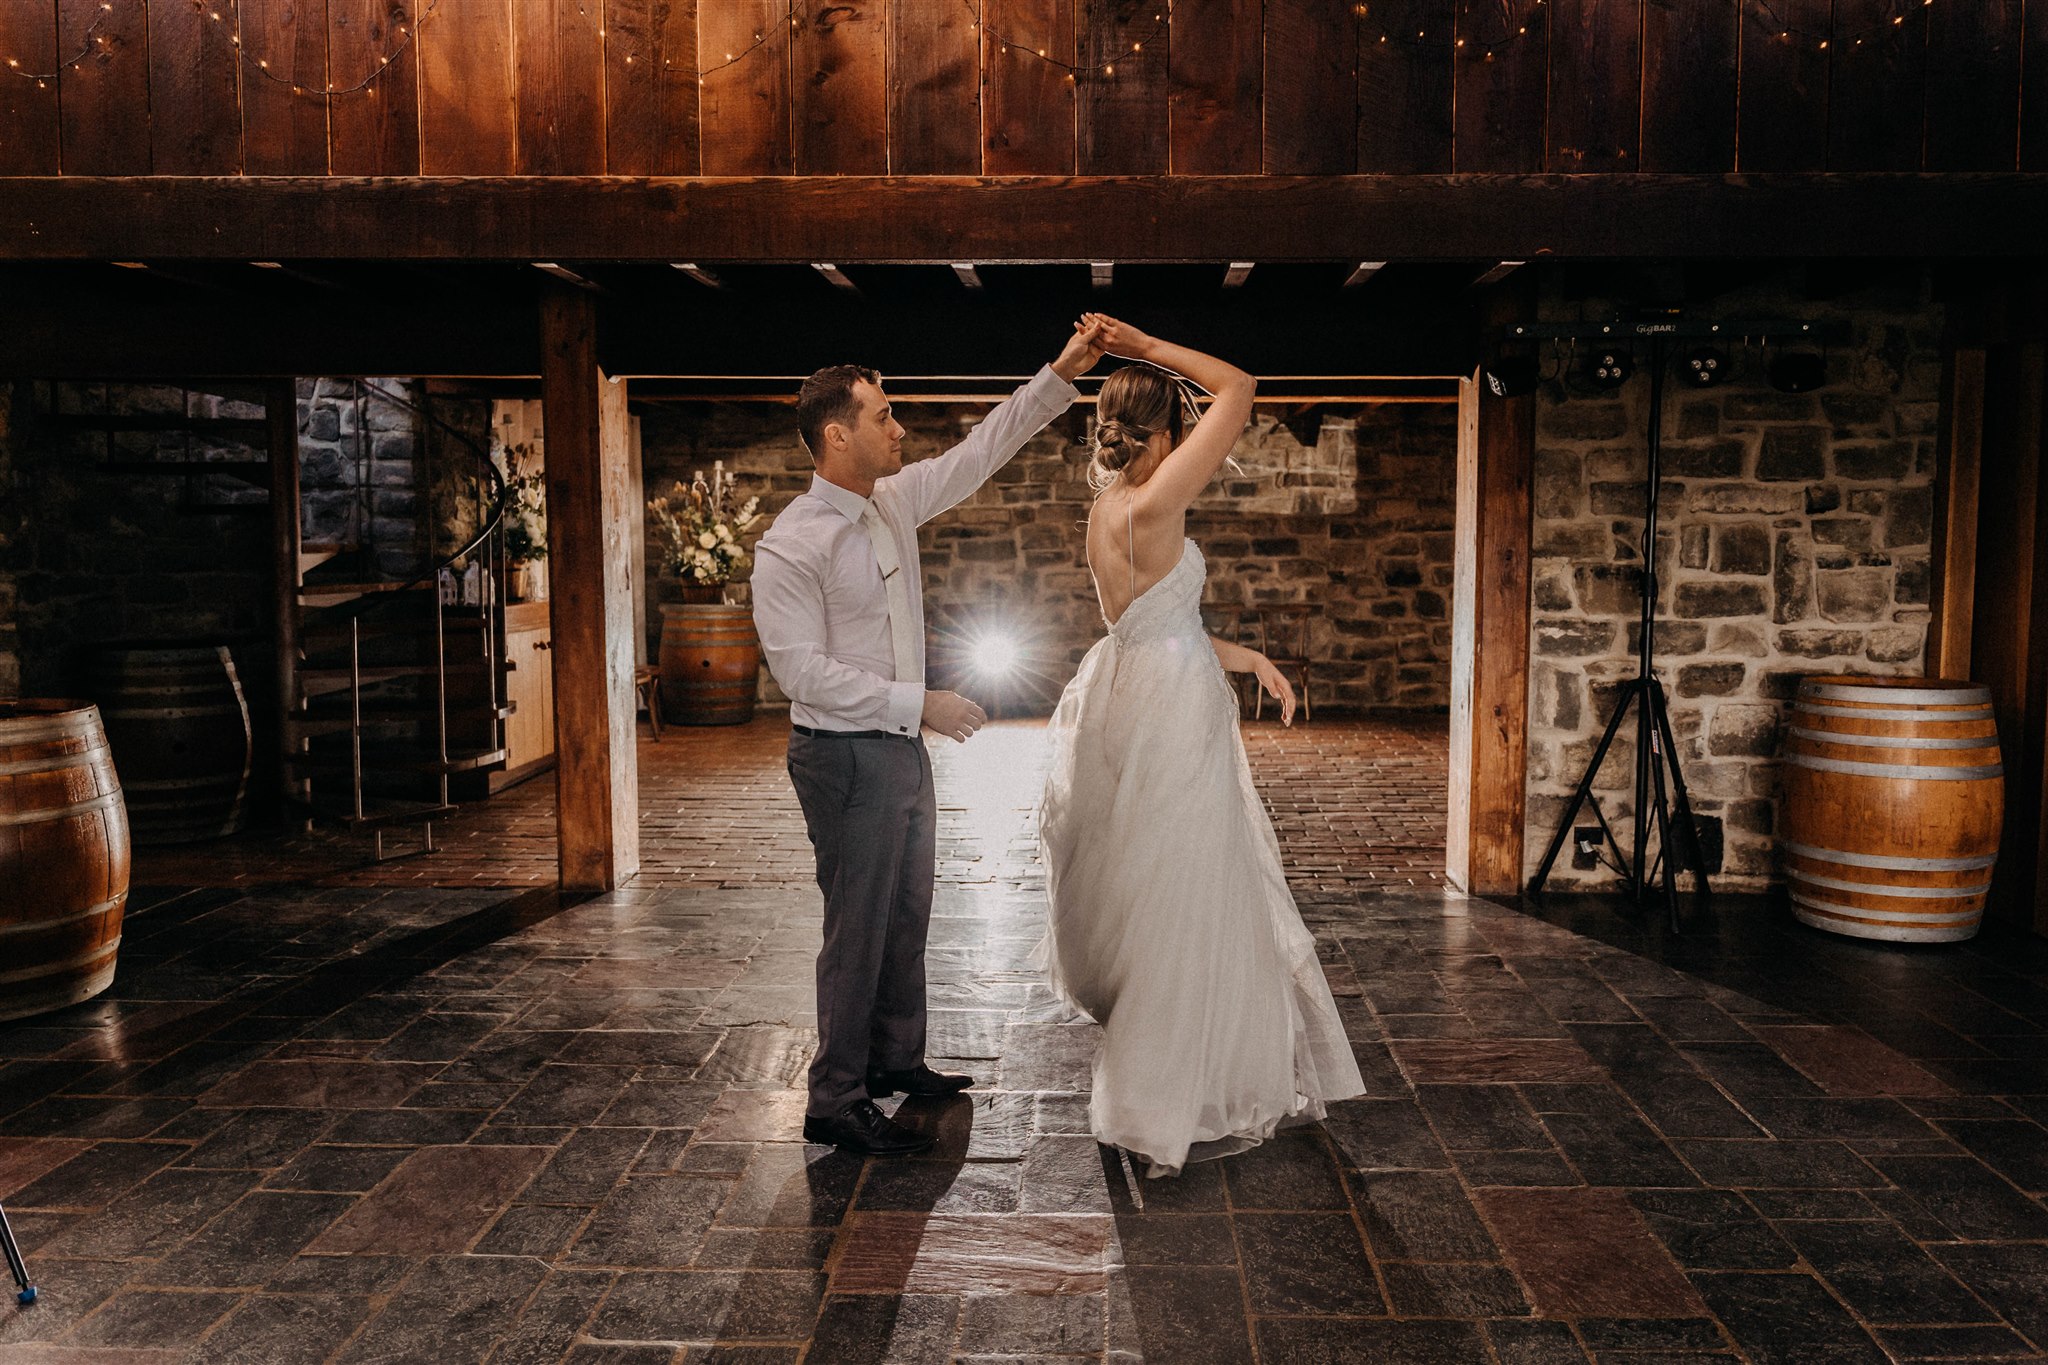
872, 815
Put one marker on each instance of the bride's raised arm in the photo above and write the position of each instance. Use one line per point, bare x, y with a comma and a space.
1193, 463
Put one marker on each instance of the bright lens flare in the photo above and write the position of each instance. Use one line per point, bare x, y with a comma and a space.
993, 656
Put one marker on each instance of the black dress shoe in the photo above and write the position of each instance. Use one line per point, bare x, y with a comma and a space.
867, 1130
918, 1080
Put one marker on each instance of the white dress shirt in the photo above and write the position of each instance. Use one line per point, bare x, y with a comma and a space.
820, 605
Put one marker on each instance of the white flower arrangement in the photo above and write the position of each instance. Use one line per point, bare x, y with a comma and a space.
701, 525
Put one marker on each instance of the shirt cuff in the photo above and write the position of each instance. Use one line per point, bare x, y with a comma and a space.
1047, 387
906, 707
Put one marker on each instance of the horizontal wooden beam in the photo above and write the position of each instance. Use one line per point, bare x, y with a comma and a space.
1022, 219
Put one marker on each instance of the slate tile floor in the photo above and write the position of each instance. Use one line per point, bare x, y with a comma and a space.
342, 1120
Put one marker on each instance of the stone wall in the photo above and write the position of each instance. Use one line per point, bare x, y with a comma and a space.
1356, 519
1794, 538
91, 554
361, 459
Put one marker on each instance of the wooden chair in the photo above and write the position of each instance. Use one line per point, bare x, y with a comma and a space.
1278, 630
647, 693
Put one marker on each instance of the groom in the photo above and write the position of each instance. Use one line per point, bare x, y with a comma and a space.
839, 606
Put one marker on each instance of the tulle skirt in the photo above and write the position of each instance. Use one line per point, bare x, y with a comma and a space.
1171, 923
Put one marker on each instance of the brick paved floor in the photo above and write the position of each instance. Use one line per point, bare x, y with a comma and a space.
356, 1122
1359, 803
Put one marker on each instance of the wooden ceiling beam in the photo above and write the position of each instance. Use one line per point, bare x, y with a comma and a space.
1141, 219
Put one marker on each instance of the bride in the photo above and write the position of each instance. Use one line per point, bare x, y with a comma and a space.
1171, 924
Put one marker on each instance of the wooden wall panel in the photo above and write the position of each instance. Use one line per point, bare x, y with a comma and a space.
934, 91
1311, 88
1876, 87
1216, 62
839, 78
105, 98
558, 86
2034, 88
1782, 124
1689, 82
1404, 88
1596, 74
374, 130
1121, 121
1973, 85
1500, 103
468, 118
1028, 105
194, 92
29, 141
284, 133
650, 87
743, 106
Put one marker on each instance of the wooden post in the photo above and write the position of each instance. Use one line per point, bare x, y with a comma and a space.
1958, 473
281, 408
1490, 641
2009, 655
591, 521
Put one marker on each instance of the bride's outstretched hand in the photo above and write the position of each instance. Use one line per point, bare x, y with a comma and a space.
1120, 338
1277, 687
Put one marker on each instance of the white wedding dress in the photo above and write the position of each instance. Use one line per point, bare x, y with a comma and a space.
1171, 924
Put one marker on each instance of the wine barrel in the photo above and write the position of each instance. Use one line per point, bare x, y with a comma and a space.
179, 728
63, 856
710, 664
1893, 798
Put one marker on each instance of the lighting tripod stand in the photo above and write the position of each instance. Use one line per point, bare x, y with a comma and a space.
1659, 781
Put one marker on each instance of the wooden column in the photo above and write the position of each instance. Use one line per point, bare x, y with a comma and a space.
1490, 641
592, 521
2008, 651
1958, 473
281, 409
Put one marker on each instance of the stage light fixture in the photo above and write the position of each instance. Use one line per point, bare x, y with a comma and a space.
1609, 367
1797, 371
1704, 366
1511, 376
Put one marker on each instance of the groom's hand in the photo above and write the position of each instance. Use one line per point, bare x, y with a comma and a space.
952, 715
1082, 350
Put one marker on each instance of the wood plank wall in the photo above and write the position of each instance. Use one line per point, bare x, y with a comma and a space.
957, 87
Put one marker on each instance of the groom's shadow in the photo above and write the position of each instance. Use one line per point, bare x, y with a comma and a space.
874, 1328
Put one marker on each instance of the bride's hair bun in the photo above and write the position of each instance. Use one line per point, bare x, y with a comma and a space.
1136, 403
1116, 444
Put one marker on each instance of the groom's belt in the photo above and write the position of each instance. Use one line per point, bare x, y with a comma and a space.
847, 734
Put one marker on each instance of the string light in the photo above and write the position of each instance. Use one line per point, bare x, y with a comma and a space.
95, 43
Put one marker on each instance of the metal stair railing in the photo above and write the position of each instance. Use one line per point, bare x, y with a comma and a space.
489, 541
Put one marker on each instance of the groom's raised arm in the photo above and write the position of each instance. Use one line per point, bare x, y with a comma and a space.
789, 616
931, 487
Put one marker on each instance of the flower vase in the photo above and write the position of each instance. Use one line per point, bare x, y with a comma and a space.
700, 594
529, 581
